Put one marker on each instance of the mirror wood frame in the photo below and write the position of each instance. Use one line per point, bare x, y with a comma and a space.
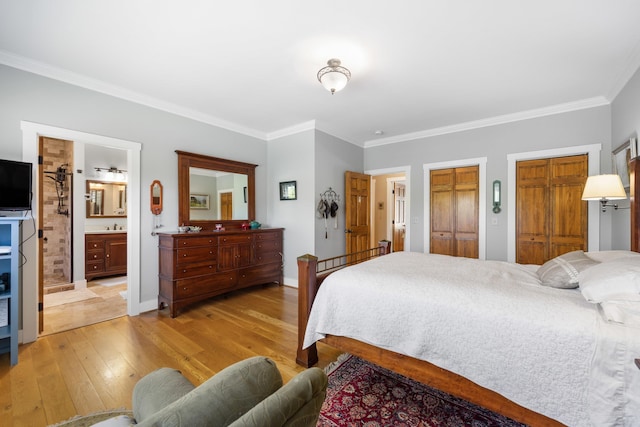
156, 208
88, 183
188, 160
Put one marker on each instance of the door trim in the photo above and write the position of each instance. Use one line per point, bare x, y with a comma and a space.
407, 177
593, 227
31, 133
481, 162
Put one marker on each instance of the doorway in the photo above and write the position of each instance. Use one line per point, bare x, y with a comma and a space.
61, 292
385, 206
31, 133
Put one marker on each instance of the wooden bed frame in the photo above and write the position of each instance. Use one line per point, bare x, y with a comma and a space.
311, 274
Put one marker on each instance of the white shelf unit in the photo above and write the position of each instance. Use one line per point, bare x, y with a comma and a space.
10, 263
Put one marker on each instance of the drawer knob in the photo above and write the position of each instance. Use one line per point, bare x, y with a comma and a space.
95, 245
95, 267
184, 271
184, 255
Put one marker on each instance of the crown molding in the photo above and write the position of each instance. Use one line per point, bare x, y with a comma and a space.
492, 121
291, 130
75, 79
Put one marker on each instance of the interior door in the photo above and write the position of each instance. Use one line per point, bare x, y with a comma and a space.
399, 221
357, 211
454, 199
551, 218
40, 238
226, 206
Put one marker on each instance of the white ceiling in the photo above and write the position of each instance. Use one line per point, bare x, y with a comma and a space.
419, 67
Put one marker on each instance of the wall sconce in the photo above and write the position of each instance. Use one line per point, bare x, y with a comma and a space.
496, 196
604, 188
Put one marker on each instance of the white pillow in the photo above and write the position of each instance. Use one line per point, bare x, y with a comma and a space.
562, 271
617, 280
625, 312
606, 256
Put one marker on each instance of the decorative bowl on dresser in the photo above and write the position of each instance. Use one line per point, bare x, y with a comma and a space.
197, 266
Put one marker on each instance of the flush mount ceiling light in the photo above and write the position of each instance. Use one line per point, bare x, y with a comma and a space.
334, 77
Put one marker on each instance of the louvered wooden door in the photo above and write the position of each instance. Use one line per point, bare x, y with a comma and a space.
551, 218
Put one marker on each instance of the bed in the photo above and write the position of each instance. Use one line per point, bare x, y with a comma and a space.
488, 331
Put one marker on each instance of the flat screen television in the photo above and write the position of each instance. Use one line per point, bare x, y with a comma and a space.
15, 185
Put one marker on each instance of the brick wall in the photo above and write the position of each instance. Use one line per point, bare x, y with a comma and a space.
57, 255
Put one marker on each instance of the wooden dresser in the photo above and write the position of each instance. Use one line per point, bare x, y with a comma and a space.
197, 266
105, 255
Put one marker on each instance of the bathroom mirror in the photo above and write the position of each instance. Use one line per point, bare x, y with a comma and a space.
106, 199
156, 197
214, 191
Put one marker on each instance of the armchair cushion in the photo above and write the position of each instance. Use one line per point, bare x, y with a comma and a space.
297, 403
221, 399
157, 390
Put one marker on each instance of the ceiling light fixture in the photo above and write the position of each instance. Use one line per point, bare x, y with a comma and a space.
334, 77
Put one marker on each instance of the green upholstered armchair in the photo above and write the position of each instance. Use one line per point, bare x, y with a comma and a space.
248, 393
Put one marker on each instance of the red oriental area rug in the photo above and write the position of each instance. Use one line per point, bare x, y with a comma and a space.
363, 394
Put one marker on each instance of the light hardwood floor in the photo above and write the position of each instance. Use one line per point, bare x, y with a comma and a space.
95, 367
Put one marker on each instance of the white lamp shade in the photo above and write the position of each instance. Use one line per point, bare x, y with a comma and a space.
334, 81
600, 187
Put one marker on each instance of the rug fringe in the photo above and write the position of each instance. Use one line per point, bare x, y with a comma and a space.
334, 365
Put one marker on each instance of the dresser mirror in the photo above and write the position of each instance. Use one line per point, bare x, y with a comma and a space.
106, 199
214, 191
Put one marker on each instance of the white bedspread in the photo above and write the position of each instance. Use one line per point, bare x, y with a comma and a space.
493, 323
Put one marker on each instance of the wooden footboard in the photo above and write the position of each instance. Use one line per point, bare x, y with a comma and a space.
311, 273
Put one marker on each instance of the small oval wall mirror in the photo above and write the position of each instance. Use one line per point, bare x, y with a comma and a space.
156, 197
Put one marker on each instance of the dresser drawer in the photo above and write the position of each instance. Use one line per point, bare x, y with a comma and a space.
94, 244
188, 242
94, 266
267, 256
93, 255
269, 245
236, 238
260, 274
205, 284
194, 270
198, 254
268, 236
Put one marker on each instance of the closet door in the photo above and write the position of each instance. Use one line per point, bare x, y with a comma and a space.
454, 211
551, 218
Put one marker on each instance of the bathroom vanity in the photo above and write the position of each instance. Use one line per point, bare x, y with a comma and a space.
105, 254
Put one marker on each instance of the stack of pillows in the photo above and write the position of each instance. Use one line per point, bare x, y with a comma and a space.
608, 278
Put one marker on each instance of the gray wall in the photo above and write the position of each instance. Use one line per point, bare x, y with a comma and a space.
33, 98
589, 126
290, 158
333, 157
625, 122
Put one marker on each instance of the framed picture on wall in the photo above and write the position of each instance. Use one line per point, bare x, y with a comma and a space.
288, 190
199, 201
621, 158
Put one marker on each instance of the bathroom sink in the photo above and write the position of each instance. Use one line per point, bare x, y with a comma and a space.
104, 231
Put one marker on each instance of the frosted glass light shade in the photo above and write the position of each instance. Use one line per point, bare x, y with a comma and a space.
600, 187
334, 81
334, 77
